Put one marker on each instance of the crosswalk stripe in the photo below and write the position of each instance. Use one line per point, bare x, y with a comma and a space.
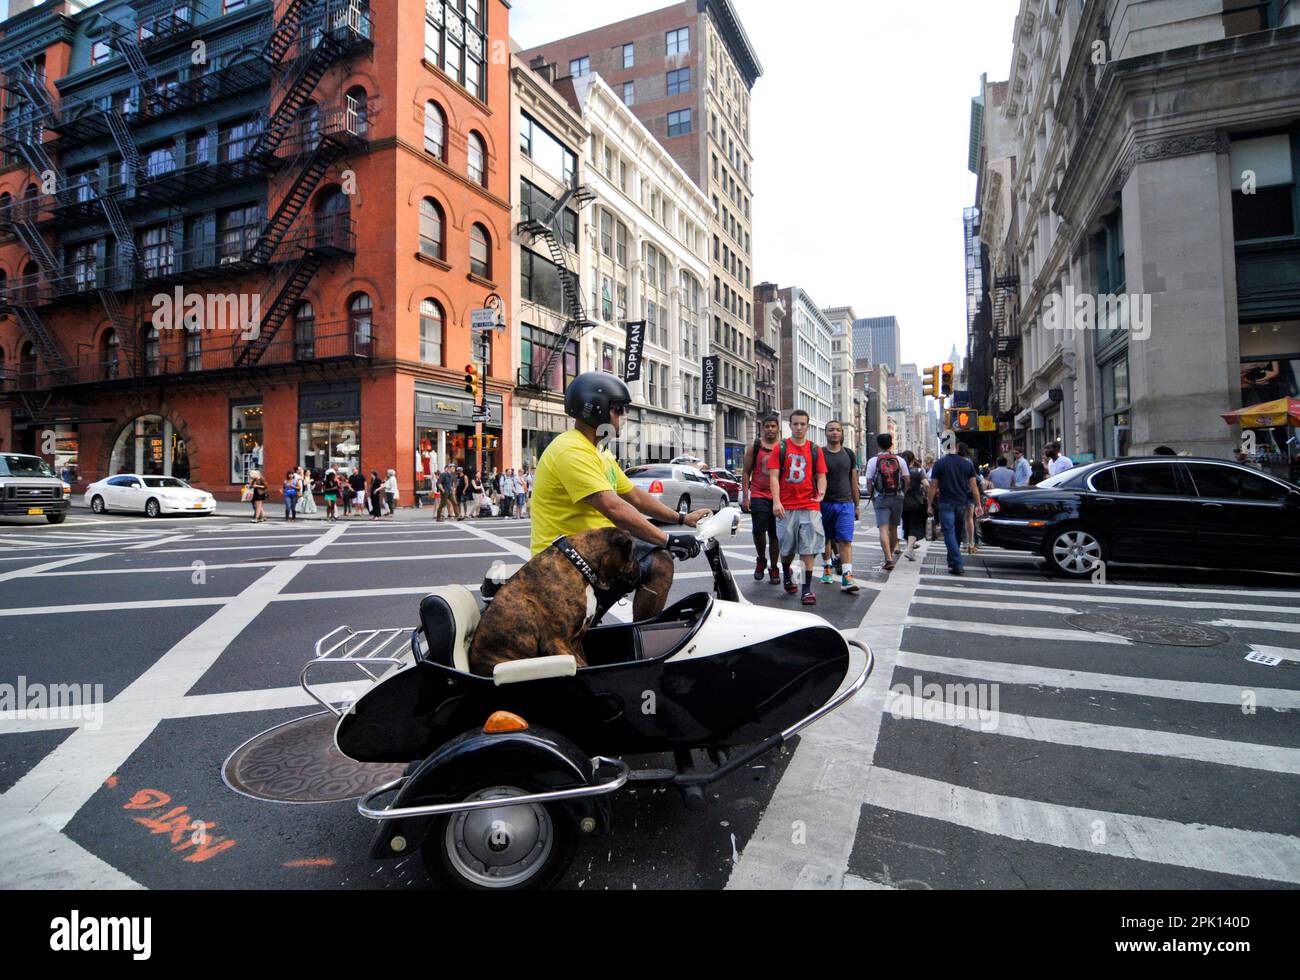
924, 600
1148, 687
1255, 624
1103, 599
1222, 850
1032, 584
1110, 738
1022, 632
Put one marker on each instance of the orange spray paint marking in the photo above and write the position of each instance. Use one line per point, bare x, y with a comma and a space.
147, 799
183, 831
111, 782
310, 863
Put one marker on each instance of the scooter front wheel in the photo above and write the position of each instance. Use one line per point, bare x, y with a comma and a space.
505, 848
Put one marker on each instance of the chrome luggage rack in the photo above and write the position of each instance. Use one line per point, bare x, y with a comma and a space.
362, 649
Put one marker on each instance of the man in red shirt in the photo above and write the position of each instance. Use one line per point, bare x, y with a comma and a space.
756, 497
798, 475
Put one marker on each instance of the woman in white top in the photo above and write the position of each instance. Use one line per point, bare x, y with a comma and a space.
391, 493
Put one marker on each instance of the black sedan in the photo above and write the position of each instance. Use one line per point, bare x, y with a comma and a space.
1203, 513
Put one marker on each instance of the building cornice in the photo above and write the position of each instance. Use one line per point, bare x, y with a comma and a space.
733, 35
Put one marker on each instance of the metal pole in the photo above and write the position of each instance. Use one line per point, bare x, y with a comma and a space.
483, 375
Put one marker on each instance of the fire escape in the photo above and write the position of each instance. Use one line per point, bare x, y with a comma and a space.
1006, 346
546, 226
310, 38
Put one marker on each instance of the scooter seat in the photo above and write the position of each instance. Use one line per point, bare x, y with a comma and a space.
449, 617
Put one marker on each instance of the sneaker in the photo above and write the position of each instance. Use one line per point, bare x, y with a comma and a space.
910, 554
848, 585
890, 565
790, 587
809, 599
774, 576
956, 571
760, 570
827, 577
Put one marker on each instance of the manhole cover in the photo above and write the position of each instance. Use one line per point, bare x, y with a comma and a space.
1144, 629
297, 762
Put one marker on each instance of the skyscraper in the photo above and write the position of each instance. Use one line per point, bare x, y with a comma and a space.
886, 340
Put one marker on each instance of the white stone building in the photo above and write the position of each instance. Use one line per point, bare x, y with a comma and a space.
841, 320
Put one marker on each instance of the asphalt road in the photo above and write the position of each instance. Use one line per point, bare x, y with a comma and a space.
998, 744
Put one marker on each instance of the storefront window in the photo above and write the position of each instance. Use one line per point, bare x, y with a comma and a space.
1117, 424
142, 447
245, 440
329, 445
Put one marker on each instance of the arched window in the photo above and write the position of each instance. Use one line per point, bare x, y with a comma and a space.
360, 319
480, 252
26, 367
152, 347
431, 332
110, 348
357, 107
4, 378
435, 130
477, 160
31, 281
431, 229
304, 332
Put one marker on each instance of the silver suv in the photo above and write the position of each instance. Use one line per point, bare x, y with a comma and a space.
29, 488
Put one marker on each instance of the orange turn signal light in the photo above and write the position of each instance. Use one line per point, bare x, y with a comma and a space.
1038, 524
504, 721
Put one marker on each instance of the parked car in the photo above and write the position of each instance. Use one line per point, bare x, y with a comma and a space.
1185, 511
151, 495
694, 461
725, 480
30, 488
683, 488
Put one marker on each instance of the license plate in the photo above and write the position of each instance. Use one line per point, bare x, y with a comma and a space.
35, 511
197, 506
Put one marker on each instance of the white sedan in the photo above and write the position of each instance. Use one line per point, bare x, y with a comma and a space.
151, 495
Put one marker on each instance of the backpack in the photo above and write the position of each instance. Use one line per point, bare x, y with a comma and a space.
816, 456
889, 476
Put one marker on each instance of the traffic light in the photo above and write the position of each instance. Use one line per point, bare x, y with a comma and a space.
931, 389
962, 420
948, 370
473, 384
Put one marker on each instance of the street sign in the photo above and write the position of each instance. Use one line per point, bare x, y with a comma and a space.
988, 423
712, 365
481, 415
483, 321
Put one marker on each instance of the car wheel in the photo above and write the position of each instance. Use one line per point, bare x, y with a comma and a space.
56, 518
1075, 552
726, 501
506, 848
684, 505
97, 505
152, 509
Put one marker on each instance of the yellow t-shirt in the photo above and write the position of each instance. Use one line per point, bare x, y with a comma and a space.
570, 471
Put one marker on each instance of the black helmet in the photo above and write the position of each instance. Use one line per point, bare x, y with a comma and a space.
590, 396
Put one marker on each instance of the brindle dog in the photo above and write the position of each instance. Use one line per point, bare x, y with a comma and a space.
546, 606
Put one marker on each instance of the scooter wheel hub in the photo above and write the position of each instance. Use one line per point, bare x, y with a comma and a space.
499, 847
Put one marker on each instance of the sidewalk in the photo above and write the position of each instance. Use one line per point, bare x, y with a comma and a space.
274, 511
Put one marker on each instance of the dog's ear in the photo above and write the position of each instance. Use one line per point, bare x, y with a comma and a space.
622, 548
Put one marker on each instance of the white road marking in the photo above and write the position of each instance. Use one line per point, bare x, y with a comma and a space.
1256, 624
314, 548
93, 607
1222, 850
154, 544
1099, 599
39, 857
1147, 687
1022, 632
1032, 584
33, 570
964, 603
150, 570
1110, 738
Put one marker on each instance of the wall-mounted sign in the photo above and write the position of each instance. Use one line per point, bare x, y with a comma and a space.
711, 366
635, 344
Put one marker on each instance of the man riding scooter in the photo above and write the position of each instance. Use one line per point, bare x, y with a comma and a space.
580, 487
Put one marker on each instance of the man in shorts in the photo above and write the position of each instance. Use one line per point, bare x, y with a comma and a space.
887, 477
797, 469
756, 498
840, 508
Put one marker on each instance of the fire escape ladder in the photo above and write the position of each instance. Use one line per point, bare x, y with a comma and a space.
23, 76
37, 247
124, 43
44, 342
37, 159
299, 90
285, 31
126, 251
295, 199
281, 307
124, 140
124, 327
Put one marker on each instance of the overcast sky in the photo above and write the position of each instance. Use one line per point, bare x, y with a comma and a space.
860, 126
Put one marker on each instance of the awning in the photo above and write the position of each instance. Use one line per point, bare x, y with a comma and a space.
1269, 415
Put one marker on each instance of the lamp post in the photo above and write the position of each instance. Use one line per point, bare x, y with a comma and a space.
496, 305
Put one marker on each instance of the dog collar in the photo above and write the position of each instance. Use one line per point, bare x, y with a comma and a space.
564, 547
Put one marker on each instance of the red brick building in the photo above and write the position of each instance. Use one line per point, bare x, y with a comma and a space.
336, 172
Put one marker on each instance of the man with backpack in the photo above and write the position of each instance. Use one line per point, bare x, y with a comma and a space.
798, 478
887, 476
840, 508
756, 498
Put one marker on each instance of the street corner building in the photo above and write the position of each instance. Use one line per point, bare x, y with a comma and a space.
243, 235
1133, 256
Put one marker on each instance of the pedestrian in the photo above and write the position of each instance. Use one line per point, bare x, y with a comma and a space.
391, 493
1038, 473
1023, 471
306, 501
1241, 457
329, 488
522, 484
357, 484
480, 497
756, 498
971, 536
258, 487
841, 509
445, 494
952, 490
1002, 478
797, 471
887, 476
1057, 463
494, 488
376, 496
462, 494
290, 488
344, 492
914, 517
507, 494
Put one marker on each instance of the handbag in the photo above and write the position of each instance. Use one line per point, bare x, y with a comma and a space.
246, 496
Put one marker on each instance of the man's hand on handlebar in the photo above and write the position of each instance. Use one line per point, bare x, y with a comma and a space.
695, 516
683, 546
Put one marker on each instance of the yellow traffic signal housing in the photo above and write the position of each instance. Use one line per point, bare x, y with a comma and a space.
948, 371
932, 382
473, 384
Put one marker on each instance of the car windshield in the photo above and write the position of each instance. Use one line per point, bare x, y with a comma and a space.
165, 483
13, 465
650, 473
